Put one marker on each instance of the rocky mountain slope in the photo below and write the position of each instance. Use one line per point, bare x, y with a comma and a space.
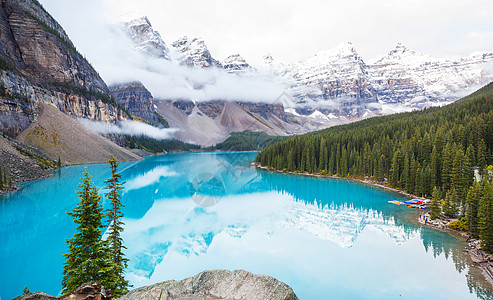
39, 64
146, 39
57, 135
235, 64
19, 167
40, 67
210, 122
194, 53
339, 81
331, 87
138, 101
216, 284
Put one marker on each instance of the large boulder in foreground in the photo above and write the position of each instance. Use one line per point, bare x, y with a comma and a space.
214, 285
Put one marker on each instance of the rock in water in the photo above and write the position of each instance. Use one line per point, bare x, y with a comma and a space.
216, 284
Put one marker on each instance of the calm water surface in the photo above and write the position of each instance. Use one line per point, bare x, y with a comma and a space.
185, 213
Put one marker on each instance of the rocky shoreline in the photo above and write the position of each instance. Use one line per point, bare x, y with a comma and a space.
365, 181
20, 168
480, 259
207, 285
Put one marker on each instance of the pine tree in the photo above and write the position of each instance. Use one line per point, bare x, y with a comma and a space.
117, 284
446, 167
450, 204
473, 197
435, 210
481, 157
85, 260
381, 168
395, 170
435, 167
486, 218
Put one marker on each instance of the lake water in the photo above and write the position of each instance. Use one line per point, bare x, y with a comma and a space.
188, 212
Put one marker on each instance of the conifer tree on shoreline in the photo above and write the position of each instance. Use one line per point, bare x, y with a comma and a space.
118, 284
84, 260
89, 257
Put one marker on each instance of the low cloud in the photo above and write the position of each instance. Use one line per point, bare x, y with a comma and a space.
169, 80
99, 35
129, 127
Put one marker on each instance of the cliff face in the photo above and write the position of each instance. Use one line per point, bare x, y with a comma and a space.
138, 101
39, 64
38, 47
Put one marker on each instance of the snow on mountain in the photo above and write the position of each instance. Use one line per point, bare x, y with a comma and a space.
409, 77
235, 64
338, 84
145, 38
195, 53
338, 81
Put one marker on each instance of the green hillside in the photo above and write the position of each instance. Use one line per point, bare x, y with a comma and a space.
418, 152
247, 141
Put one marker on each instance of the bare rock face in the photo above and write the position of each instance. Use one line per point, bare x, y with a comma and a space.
45, 68
88, 291
138, 101
146, 39
36, 296
195, 53
235, 64
40, 49
215, 285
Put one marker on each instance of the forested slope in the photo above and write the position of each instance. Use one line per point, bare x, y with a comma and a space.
418, 152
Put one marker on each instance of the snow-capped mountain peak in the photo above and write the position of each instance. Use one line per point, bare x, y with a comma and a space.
338, 82
401, 49
267, 59
235, 63
146, 40
195, 53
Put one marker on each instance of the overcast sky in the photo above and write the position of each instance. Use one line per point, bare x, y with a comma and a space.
291, 30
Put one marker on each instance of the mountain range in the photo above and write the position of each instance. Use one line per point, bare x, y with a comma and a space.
44, 79
331, 87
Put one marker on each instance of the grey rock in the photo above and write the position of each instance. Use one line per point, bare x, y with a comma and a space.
216, 284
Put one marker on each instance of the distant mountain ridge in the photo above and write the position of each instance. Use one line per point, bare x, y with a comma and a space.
340, 83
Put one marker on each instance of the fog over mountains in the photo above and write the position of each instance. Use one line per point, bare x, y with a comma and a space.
337, 83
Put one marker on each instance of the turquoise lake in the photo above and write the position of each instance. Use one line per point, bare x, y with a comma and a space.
188, 212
